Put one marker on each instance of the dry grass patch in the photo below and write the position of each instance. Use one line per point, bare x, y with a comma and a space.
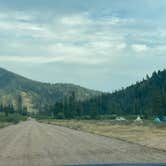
145, 134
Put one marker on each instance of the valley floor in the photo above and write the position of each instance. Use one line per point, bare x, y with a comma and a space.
32, 143
149, 134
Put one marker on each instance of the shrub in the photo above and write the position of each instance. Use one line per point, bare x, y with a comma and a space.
12, 118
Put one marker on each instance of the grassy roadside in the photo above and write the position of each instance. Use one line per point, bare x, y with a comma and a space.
4, 124
11, 119
147, 134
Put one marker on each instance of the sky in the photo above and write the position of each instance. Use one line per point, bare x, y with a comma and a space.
99, 44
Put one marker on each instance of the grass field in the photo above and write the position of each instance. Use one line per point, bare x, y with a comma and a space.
4, 124
10, 119
147, 134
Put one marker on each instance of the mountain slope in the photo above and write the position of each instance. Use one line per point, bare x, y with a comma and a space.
35, 95
147, 98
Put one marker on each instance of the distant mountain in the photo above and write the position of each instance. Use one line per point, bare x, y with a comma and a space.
35, 95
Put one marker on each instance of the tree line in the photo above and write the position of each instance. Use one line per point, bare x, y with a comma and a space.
146, 98
11, 109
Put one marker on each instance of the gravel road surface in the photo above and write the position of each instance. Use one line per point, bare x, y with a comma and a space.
35, 144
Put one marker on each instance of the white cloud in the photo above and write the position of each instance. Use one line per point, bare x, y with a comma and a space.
51, 59
74, 20
139, 47
81, 46
16, 26
76, 38
121, 46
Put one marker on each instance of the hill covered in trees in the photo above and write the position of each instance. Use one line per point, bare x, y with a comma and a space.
146, 98
19, 92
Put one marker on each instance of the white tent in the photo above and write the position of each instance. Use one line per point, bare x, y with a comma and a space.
138, 119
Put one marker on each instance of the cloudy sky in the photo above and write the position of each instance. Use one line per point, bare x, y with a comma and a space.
99, 44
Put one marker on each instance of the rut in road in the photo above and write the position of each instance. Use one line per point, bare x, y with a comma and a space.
35, 144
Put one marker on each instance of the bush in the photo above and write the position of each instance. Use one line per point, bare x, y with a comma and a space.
12, 118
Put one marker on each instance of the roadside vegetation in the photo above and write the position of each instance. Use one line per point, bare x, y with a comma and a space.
147, 133
11, 119
9, 115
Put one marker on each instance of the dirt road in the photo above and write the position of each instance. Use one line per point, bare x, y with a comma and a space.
34, 144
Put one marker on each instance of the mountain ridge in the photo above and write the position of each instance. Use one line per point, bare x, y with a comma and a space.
36, 94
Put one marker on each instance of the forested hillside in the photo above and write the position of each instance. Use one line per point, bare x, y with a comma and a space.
146, 98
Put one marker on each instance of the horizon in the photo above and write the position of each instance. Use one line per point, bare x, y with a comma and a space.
98, 45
